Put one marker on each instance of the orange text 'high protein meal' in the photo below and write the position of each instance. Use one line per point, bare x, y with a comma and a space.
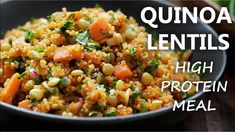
87, 63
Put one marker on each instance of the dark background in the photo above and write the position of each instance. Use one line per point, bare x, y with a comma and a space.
221, 119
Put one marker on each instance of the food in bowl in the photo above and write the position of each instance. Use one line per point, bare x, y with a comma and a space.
87, 63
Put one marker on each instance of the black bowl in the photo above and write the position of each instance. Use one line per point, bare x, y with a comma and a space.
14, 13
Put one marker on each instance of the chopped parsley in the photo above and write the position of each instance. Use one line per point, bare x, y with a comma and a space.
143, 107
111, 114
136, 93
113, 18
29, 35
7, 59
132, 51
49, 17
96, 47
92, 47
40, 49
66, 26
86, 70
37, 80
154, 64
114, 81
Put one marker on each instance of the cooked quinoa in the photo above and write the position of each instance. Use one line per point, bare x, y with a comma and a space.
87, 63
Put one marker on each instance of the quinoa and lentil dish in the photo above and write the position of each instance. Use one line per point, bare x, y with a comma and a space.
87, 63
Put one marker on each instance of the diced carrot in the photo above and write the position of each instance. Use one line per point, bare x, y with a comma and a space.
99, 29
122, 71
62, 54
76, 52
25, 104
93, 58
77, 15
67, 53
8, 72
11, 88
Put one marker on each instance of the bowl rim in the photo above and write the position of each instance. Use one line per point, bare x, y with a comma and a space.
100, 120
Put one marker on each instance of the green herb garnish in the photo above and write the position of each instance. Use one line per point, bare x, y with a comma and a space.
40, 49
37, 80
83, 37
143, 107
93, 113
21, 28
111, 114
86, 70
7, 59
131, 51
66, 26
29, 35
22, 75
49, 17
152, 67
96, 47
114, 81
136, 93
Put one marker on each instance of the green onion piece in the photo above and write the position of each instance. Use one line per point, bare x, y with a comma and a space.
83, 37
111, 114
22, 75
93, 113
